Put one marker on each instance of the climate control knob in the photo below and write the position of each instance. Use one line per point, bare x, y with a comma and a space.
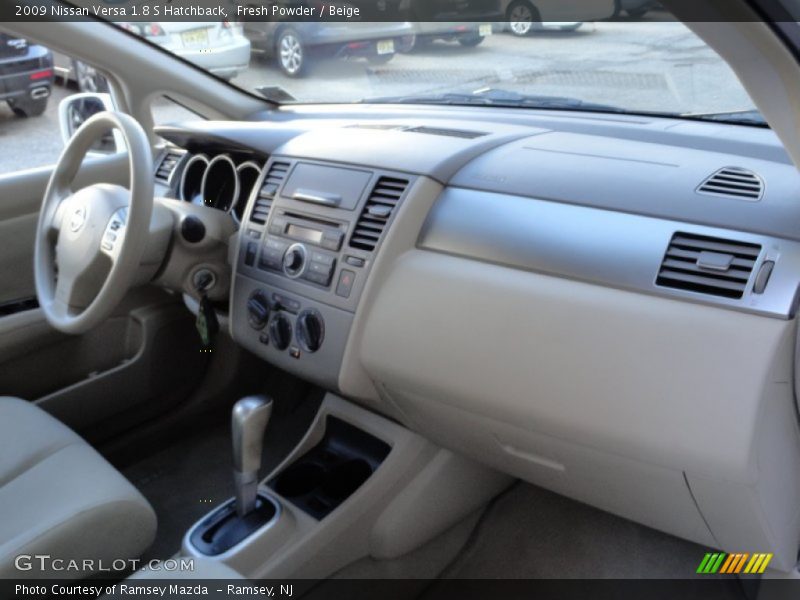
310, 330
258, 309
280, 331
294, 260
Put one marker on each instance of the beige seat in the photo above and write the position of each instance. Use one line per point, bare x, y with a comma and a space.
59, 497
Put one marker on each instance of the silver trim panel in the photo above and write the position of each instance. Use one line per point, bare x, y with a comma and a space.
599, 246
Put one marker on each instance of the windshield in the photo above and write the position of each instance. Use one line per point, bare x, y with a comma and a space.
645, 63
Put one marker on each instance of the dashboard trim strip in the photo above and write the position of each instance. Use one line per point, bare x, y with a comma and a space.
609, 248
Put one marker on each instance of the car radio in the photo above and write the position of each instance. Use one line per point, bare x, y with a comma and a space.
306, 246
303, 247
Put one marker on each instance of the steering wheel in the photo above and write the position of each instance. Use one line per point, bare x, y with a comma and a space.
89, 243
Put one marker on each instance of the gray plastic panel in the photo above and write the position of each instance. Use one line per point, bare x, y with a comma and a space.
642, 177
321, 367
598, 246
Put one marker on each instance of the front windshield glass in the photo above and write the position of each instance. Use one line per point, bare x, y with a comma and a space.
641, 61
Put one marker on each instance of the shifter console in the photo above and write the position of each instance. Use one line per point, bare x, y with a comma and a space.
306, 246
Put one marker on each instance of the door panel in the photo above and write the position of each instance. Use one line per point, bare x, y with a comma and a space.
142, 360
20, 199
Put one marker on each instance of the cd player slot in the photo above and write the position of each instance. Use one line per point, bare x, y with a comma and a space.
325, 223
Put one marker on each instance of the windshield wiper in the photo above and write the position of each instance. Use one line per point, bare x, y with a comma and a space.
741, 117
496, 97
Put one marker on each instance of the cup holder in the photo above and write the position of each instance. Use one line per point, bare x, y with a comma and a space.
345, 478
300, 479
331, 471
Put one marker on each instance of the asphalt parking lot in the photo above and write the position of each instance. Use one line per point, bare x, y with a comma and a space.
648, 65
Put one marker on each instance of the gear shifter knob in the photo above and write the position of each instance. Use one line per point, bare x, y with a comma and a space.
249, 420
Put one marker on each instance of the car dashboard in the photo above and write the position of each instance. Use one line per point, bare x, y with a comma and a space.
603, 305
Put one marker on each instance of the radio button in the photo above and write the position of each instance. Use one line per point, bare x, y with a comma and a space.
322, 258
332, 240
250, 254
324, 269
319, 278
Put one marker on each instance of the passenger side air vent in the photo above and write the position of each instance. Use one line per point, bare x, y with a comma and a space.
457, 133
708, 265
272, 182
168, 164
735, 182
379, 207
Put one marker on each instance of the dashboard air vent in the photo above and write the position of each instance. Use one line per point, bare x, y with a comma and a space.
458, 133
735, 182
379, 207
167, 165
275, 176
708, 265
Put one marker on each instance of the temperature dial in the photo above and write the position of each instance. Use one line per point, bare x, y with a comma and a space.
280, 331
258, 309
310, 330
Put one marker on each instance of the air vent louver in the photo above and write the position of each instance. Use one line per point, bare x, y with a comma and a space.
734, 182
708, 265
168, 164
379, 207
272, 182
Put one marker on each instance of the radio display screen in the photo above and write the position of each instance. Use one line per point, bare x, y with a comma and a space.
306, 234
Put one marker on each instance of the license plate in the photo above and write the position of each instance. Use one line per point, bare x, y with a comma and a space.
386, 47
195, 37
485, 29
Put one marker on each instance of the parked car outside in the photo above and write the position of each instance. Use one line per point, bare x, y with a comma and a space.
220, 48
295, 44
465, 33
26, 75
524, 16
636, 8
467, 22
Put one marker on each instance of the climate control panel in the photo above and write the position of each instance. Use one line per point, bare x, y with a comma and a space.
292, 331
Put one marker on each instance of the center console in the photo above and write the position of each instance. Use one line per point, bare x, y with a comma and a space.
307, 243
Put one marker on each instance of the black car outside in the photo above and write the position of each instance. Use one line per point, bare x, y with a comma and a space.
26, 75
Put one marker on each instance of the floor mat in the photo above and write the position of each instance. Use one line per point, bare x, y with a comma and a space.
532, 533
188, 478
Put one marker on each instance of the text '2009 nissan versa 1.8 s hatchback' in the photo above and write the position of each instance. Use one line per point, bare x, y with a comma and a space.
467, 306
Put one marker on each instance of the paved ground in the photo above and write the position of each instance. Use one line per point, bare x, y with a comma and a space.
646, 65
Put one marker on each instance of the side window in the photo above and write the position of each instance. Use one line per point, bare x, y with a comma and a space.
33, 81
166, 110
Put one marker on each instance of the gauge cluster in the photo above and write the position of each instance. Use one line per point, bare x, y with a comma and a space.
218, 180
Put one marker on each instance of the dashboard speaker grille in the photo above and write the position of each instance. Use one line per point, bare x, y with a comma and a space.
272, 182
167, 165
708, 265
379, 208
458, 133
734, 182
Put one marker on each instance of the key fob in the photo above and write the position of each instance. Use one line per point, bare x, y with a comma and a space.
207, 323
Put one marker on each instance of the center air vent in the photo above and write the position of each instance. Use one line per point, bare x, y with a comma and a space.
708, 265
168, 164
272, 182
735, 182
379, 207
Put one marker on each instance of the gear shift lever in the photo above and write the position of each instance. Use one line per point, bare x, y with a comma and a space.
249, 420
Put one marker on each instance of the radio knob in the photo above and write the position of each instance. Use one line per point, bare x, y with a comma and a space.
258, 310
280, 332
294, 261
310, 330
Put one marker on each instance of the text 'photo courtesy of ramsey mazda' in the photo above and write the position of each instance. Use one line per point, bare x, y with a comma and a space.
414, 299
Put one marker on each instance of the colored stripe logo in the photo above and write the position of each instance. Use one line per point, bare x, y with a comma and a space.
741, 562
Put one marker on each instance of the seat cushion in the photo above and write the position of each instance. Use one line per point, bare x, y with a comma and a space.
59, 497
